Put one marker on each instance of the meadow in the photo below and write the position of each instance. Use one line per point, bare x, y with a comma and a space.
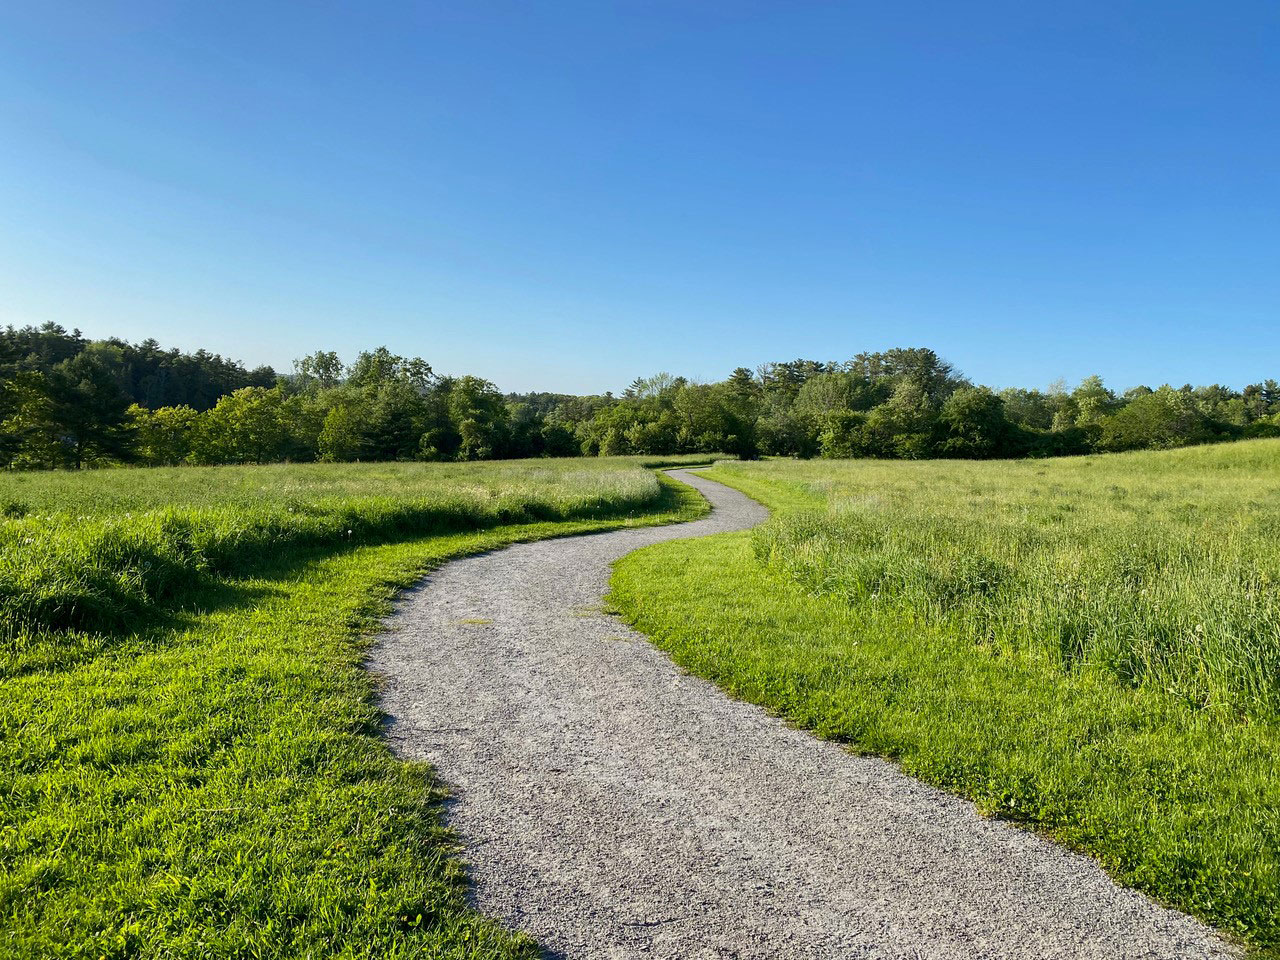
1090, 646
190, 753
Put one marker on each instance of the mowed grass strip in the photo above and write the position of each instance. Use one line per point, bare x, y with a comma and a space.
212, 782
1086, 646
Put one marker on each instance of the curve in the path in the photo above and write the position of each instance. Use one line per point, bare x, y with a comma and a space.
612, 806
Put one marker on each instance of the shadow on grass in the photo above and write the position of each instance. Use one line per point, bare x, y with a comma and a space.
48, 651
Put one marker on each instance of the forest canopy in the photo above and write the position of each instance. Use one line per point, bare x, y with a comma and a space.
66, 401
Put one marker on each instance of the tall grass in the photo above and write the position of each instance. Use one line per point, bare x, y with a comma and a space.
120, 490
99, 551
1162, 571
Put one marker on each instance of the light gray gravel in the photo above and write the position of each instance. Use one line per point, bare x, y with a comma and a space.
611, 806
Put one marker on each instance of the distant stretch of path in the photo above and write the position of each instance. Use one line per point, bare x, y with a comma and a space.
612, 806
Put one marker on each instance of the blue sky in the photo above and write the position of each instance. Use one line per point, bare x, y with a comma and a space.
566, 195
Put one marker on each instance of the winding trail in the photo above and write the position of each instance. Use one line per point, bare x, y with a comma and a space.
613, 807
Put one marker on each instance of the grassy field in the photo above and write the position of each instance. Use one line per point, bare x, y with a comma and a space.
190, 759
1090, 646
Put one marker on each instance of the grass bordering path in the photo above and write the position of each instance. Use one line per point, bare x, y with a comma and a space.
1180, 803
215, 783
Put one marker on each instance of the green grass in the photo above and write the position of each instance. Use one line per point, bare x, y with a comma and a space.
1089, 646
121, 490
190, 759
103, 551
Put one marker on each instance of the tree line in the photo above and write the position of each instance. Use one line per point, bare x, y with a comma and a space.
70, 402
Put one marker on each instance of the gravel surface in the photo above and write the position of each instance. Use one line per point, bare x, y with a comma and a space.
612, 806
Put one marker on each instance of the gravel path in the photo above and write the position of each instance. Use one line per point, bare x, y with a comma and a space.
611, 806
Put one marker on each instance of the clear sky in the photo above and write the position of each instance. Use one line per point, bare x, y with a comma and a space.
565, 195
